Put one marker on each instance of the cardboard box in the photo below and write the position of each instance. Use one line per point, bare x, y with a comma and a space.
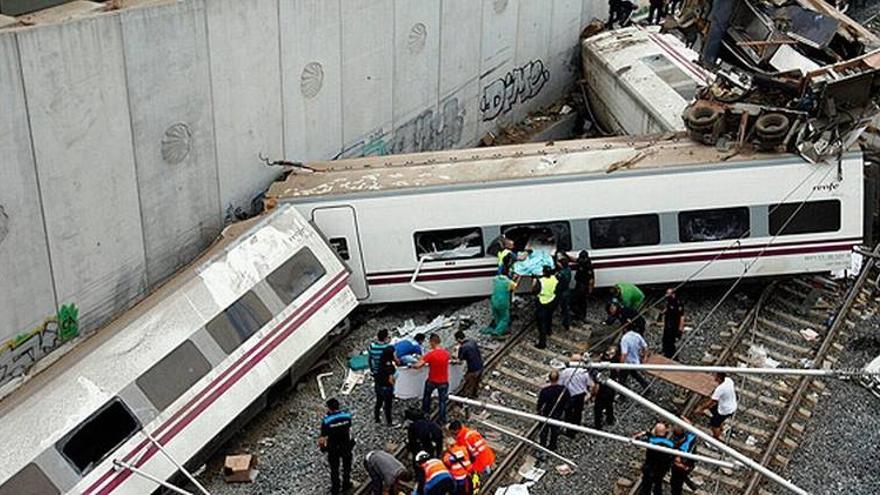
240, 468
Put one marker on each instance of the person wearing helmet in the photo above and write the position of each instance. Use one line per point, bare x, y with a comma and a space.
433, 477
458, 460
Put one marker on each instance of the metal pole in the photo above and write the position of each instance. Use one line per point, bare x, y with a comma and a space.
590, 431
125, 465
726, 369
705, 436
176, 464
530, 442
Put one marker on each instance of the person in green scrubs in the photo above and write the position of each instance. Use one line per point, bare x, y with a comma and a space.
502, 288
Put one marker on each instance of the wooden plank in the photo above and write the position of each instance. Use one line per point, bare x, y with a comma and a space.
697, 382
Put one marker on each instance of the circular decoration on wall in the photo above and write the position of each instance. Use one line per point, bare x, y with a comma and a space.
312, 79
500, 6
418, 35
176, 143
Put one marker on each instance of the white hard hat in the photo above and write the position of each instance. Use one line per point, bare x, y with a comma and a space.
422, 456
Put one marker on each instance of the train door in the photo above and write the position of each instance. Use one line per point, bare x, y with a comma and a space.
339, 226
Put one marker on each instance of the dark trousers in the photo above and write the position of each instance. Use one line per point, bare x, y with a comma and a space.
579, 300
670, 336
552, 432
461, 487
470, 385
335, 458
544, 315
574, 411
442, 394
655, 12
677, 480
377, 481
719, 20
652, 482
384, 399
626, 374
563, 301
603, 407
445, 487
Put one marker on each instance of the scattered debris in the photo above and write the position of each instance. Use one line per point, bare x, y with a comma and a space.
321, 384
564, 469
240, 468
409, 328
352, 379
809, 334
751, 441
518, 489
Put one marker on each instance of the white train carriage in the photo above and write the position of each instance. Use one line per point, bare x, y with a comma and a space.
422, 226
181, 366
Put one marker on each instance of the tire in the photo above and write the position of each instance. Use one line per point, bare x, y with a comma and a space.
702, 117
772, 126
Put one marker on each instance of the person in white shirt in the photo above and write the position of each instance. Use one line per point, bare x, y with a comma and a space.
722, 402
578, 383
633, 350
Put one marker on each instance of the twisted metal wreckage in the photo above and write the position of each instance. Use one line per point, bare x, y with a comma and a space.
794, 75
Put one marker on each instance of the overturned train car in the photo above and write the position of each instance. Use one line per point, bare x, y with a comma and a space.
185, 366
649, 210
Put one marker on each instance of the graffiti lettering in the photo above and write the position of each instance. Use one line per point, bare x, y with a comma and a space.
517, 86
20, 353
428, 131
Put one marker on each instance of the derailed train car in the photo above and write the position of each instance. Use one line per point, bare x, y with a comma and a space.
184, 366
649, 210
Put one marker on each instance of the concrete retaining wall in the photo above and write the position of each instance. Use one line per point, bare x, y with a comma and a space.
127, 138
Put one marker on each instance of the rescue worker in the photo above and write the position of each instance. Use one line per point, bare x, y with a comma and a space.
578, 384
629, 295
552, 401
386, 472
502, 288
722, 403
546, 290
385, 385
336, 441
374, 351
458, 461
633, 350
422, 434
584, 283
673, 322
656, 11
563, 290
409, 350
433, 477
625, 317
437, 360
482, 455
684, 441
719, 21
603, 407
469, 352
656, 463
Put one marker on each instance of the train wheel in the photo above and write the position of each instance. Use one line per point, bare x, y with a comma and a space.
772, 126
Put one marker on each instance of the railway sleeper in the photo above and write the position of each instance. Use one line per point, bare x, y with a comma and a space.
779, 385
798, 308
516, 394
515, 375
816, 285
770, 401
575, 346
797, 320
785, 358
704, 476
783, 344
780, 327
528, 361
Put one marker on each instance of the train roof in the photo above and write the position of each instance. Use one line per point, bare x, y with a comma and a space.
504, 163
45, 407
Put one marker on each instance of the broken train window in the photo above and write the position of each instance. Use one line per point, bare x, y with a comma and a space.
713, 225
449, 244
543, 236
626, 231
98, 436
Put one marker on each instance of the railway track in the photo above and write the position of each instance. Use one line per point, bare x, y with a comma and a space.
773, 412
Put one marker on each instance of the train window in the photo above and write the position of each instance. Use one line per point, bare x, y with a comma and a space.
628, 231
340, 245
173, 375
296, 275
239, 321
713, 225
555, 235
31, 480
671, 75
98, 436
449, 244
805, 218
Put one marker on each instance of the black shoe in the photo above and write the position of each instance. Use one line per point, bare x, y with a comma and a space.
540, 346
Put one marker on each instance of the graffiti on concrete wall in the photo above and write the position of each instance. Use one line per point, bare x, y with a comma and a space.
430, 130
19, 354
517, 86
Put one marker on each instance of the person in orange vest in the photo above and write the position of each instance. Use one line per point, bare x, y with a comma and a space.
482, 456
433, 477
458, 460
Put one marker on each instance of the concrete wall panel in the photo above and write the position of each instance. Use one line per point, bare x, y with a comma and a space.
564, 50
460, 38
497, 57
532, 68
246, 84
367, 74
166, 55
82, 136
593, 9
416, 59
26, 295
312, 75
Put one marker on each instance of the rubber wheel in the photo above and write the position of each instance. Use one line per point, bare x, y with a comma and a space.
702, 117
772, 125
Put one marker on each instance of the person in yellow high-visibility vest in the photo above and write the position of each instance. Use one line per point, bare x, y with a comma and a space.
546, 303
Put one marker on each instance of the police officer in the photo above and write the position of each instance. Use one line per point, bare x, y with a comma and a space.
673, 322
684, 441
656, 463
546, 286
336, 441
603, 407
